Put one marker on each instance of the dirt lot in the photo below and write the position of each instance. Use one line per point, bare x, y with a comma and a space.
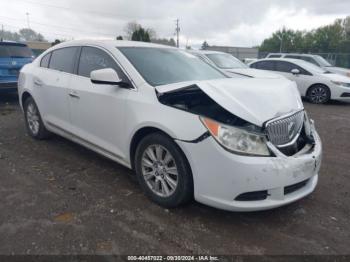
60, 198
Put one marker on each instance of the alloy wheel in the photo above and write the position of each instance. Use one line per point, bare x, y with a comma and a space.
159, 170
318, 95
33, 118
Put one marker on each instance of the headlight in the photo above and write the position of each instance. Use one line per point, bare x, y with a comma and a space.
341, 83
237, 140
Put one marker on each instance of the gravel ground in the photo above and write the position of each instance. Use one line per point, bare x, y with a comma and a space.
60, 198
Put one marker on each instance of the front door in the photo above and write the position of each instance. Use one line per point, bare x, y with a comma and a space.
97, 110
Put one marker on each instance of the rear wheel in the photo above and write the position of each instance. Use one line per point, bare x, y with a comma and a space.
163, 171
34, 123
319, 94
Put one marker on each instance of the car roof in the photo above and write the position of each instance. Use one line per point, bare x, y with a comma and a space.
110, 44
290, 54
292, 60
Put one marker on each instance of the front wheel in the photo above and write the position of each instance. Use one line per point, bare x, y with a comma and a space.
163, 171
319, 94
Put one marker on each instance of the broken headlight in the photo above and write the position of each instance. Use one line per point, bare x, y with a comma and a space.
237, 140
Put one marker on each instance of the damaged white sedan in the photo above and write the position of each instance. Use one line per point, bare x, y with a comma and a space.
239, 144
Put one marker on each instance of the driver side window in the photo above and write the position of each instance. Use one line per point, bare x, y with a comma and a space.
92, 58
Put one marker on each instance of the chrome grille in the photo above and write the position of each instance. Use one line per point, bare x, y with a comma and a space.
283, 130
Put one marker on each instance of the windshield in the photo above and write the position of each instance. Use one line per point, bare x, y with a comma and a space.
162, 66
226, 61
312, 68
322, 61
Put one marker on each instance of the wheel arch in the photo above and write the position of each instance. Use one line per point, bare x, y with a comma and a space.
143, 132
24, 97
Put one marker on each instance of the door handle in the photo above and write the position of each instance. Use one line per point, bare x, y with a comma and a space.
74, 95
38, 82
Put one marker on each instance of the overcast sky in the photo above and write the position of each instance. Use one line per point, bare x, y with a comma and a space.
220, 22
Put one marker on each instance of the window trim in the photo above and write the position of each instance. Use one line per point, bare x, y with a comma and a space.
74, 64
131, 82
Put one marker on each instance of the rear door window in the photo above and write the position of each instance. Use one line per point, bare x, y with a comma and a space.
45, 60
64, 59
264, 65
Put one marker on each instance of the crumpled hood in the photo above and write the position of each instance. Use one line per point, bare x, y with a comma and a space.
254, 100
253, 73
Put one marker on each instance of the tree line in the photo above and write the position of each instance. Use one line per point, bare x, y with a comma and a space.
333, 38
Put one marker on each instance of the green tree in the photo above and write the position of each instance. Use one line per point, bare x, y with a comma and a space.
56, 42
325, 39
28, 34
119, 37
164, 41
141, 35
205, 45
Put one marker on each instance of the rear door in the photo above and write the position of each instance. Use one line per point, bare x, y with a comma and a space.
51, 83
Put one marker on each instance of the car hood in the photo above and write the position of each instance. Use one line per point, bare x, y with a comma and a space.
254, 100
338, 70
337, 77
253, 73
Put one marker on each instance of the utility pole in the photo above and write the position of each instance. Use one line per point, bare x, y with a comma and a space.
177, 31
28, 24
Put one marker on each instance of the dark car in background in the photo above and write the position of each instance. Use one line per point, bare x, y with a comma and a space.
13, 56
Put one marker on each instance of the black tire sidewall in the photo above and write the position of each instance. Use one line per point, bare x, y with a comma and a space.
184, 191
325, 88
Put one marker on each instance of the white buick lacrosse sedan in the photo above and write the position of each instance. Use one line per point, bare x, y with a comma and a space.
238, 144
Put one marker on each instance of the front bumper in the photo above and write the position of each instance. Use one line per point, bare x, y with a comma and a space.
340, 93
220, 176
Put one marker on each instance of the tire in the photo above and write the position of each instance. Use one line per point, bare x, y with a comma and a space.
318, 94
34, 124
156, 173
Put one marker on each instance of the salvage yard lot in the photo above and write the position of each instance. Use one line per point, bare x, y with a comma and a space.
60, 198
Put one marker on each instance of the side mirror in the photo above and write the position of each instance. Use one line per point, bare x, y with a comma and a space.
107, 76
295, 71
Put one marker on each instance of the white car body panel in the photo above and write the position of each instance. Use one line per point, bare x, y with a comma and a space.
105, 118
